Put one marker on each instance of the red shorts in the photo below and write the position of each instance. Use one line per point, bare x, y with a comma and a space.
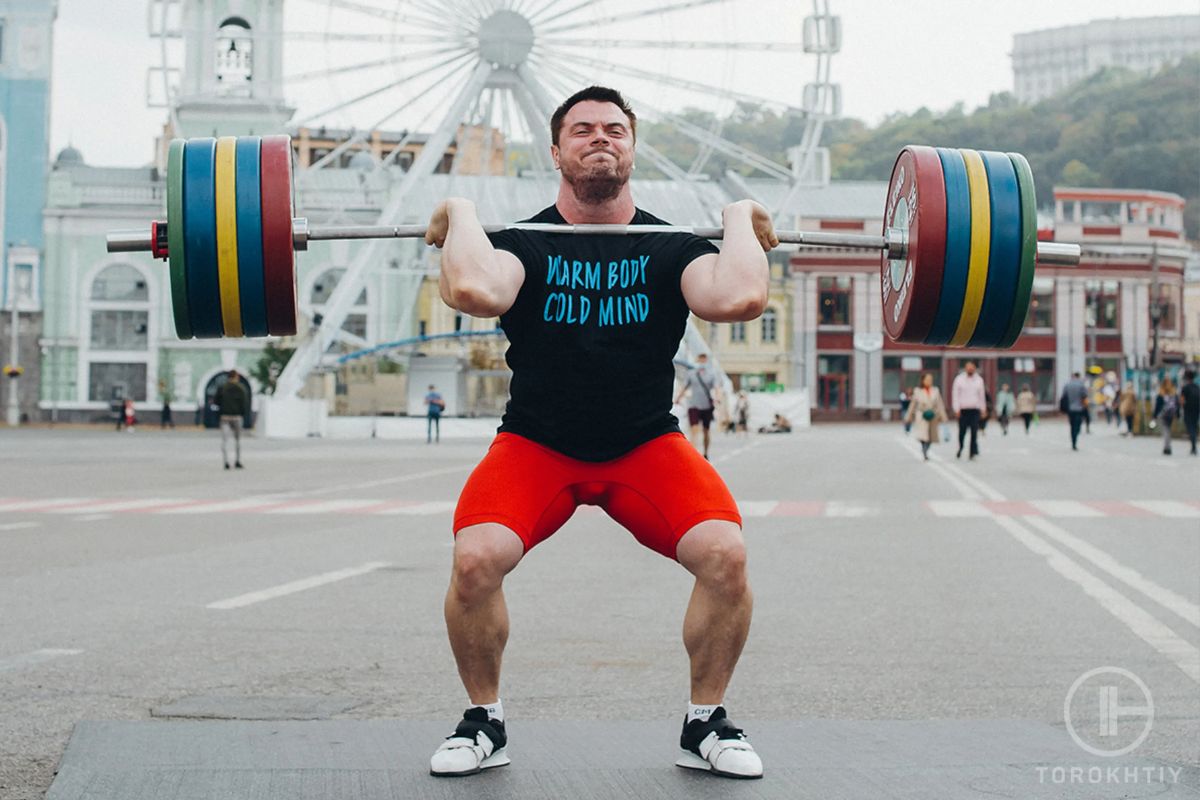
658, 491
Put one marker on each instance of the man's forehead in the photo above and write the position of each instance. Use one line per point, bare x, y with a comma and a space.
590, 112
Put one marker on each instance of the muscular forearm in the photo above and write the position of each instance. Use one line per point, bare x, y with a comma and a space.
469, 280
741, 272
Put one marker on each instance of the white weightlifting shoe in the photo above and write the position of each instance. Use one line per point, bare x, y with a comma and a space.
478, 743
719, 747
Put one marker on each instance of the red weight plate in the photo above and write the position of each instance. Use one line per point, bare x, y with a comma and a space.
279, 258
916, 204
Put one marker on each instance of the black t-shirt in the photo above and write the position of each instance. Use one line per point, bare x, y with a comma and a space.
592, 335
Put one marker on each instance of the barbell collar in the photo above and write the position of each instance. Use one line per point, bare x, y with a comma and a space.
894, 242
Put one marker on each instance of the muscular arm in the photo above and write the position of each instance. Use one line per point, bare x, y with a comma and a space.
475, 278
732, 286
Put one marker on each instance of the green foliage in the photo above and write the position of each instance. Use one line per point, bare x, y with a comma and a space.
272, 361
1116, 129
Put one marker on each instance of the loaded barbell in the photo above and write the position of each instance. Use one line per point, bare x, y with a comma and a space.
958, 249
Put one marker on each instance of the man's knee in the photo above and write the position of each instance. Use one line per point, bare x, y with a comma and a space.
483, 555
715, 552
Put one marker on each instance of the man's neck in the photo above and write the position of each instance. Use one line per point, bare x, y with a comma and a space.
618, 211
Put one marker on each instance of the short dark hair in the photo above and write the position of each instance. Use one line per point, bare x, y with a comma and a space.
1189, 374
601, 94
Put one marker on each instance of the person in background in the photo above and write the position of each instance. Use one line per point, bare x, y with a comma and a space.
165, 419
1189, 394
1005, 403
968, 399
1126, 405
905, 402
741, 410
699, 386
233, 402
130, 415
1108, 396
1166, 409
927, 412
1026, 405
434, 406
1074, 403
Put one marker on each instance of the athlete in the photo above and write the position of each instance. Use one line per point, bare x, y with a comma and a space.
598, 318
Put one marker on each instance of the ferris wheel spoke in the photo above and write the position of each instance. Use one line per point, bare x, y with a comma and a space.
628, 15
363, 65
391, 84
651, 44
450, 84
376, 38
537, 19
440, 80
700, 87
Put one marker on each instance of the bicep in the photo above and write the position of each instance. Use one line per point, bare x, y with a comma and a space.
700, 290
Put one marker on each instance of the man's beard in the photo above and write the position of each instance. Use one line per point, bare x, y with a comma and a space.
598, 183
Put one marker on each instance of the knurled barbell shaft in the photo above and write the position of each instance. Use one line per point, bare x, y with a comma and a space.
894, 242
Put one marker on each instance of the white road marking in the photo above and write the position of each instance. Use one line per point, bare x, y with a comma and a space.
1143, 625
323, 507
1130, 577
34, 658
43, 504
92, 517
1167, 508
1065, 508
958, 508
108, 506
934, 463
301, 585
974, 482
735, 453
18, 526
837, 508
208, 507
420, 509
756, 508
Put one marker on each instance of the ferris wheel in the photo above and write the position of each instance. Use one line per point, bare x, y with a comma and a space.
428, 67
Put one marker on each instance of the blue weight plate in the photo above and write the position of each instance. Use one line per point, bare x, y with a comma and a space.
958, 247
249, 242
200, 237
1004, 258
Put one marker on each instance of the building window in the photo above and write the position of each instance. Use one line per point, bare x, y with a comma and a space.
108, 382
120, 329
737, 333
322, 289
235, 57
769, 326
1102, 299
120, 283
833, 300
1041, 304
833, 383
903, 374
1168, 310
1037, 373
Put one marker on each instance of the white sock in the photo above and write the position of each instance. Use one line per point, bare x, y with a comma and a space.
701, 713
495, 710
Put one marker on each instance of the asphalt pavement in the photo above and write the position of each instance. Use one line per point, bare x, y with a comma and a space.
141, 584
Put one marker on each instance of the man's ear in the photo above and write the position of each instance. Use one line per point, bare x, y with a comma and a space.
554, 155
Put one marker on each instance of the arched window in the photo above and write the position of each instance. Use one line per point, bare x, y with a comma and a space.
737, 332
118, 348
235, 57
769, 326
322, 290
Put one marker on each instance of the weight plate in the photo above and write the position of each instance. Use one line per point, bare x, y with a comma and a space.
249, 238
981, 224
916, 204
200, 237
1004, 260
958, 247
227, 250
279, 259
176, 257
1028, 249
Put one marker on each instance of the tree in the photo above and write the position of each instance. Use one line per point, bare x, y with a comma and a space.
272, 361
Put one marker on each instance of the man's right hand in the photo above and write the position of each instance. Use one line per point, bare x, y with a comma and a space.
439, 225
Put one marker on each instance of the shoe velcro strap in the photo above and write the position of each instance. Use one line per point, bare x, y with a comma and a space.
712, 746
470, 729
481, 744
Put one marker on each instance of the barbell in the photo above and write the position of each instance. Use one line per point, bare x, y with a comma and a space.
958, 249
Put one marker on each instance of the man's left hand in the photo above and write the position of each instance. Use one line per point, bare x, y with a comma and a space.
760, 219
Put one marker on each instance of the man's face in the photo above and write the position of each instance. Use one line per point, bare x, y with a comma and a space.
970, 368
594, 150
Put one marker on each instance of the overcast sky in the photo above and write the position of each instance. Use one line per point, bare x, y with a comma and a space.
896, 56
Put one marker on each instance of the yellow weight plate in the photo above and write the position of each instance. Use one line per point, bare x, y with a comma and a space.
981, 242
227, 259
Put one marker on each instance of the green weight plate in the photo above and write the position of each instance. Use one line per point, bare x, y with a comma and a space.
176, 257
1028, 250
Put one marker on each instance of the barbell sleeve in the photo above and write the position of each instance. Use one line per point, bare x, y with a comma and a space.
894, 242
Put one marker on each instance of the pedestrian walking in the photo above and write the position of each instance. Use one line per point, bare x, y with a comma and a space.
165, 419
1005, 404
968, 399
987, 411
1126, 406
1166, 409
1026, 405
905, 402
742, 410
1074, 403
232, 401
926, 413
130, 415
699, 386
1189, 394
434, 406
